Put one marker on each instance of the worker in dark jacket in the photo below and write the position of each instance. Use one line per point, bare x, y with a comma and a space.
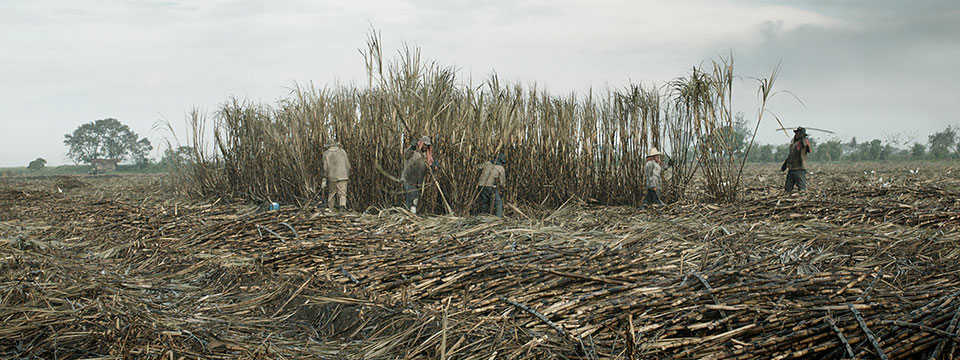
796, 162
492, 179
416, 160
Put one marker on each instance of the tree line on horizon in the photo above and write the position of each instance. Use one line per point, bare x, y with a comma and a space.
109, 138
941, 145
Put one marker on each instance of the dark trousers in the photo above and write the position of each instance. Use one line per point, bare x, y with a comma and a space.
653, 197
490, 199
796, 177
411, 195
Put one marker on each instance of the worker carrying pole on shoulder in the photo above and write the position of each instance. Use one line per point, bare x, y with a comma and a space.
416, 159
492, 179
796, 162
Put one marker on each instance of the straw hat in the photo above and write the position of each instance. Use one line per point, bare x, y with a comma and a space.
426, 140
653, 152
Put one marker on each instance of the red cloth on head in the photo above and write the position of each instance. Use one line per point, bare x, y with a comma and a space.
429, 153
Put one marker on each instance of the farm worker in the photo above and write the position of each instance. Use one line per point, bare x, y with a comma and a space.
335, 168
492, 178
416, 158
797, 160
651, 175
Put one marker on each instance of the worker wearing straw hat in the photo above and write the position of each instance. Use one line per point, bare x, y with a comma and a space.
651, 175
335, 168
796, 162
416, 158
492, 179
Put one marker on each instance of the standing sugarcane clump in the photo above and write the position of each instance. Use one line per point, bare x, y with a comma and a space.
589, 147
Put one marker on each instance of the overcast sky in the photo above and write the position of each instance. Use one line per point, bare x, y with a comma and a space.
864, 68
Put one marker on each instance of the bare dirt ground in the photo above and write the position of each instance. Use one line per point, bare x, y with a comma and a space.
865, 264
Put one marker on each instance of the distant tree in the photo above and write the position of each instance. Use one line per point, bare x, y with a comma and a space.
833, 149
851, 150
830, 150
889, 152
101, 139
734, 136
766, 153
741, 133
875, 150
178, 156
942, 143
141, 153
866, 151
760, 153
781, 153
899, 154
756, 154
918, 151
896, 140
37, 164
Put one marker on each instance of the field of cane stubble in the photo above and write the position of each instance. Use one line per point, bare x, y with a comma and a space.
866, 264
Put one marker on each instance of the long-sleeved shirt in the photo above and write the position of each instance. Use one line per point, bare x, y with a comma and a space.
335, 165
492, 175
651, 173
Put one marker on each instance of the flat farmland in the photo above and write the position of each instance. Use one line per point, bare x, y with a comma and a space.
865, 264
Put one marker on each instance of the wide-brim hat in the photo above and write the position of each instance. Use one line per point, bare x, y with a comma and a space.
653, 152
425, 140
800, 130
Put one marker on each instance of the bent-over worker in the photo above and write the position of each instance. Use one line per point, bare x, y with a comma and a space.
492, 179
416, 158
796, 162
335, 168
